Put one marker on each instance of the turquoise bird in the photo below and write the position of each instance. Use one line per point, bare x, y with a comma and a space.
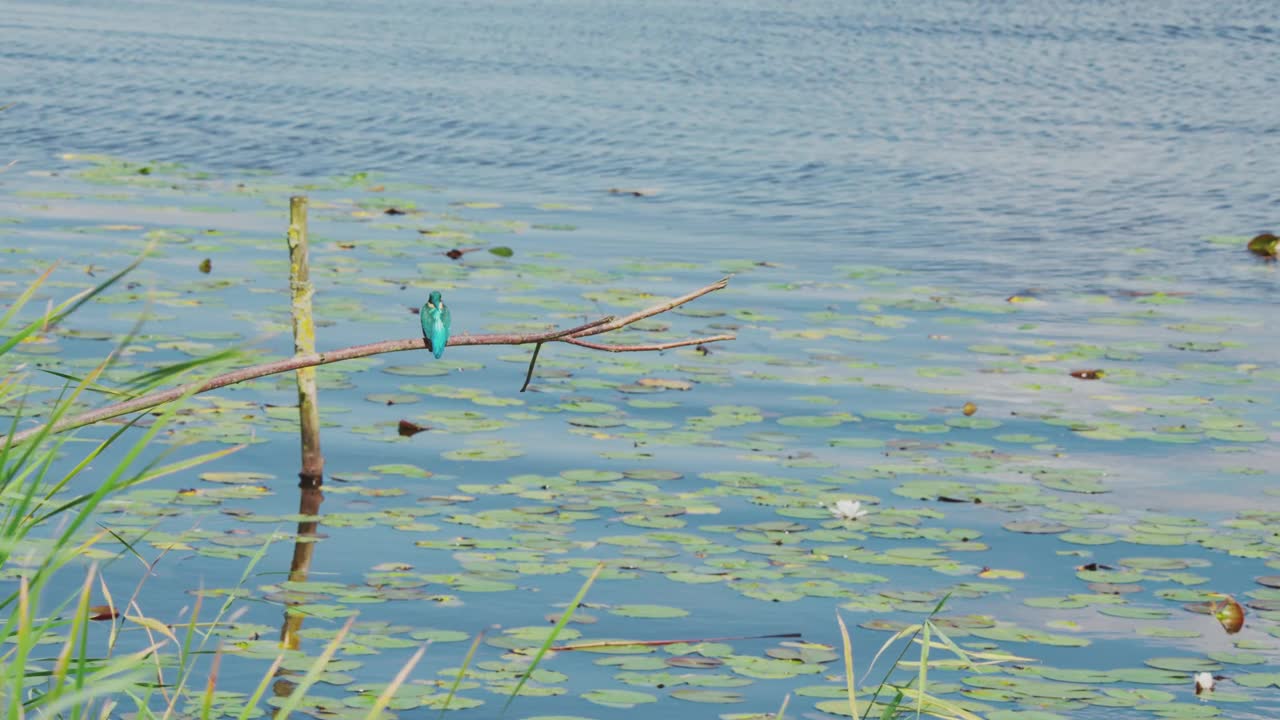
435, 323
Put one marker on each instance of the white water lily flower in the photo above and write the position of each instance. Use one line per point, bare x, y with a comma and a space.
848, 509
1204, 682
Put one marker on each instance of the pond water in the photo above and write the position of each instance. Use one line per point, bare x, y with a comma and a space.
920, 208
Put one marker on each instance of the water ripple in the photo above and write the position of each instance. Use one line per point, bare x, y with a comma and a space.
934, 125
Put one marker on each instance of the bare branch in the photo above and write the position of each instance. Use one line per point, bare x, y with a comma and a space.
649, 348
568, 335
581, 328
657, 309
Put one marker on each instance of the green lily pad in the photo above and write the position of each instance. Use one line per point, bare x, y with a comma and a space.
618, 698
648, 611
1238, 658
591, 475
405, 470
1035, 527
1150, 676
1185, 664
1258, 680
706, 695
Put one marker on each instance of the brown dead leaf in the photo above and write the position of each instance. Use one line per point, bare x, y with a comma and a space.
409, 429
1088, 374
102, 612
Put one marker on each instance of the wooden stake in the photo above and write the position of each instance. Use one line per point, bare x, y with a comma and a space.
304, 342
312, 475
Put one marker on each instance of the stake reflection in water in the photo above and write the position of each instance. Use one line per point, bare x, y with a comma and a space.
310, 497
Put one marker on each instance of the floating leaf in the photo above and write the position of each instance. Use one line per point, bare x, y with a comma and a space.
403, 469
495, 451
1035, 527
648, 611
1184, 664
700, 695
665, 383
1021, 438
590, 476
625, 699
1258, 680
1238, 658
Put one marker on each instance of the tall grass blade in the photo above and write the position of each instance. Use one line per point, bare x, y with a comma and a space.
18, 663
153, 378
891, 709
967, 656
185, 663
462, 672
94, 387
909, 630
923, 685
185, 464
914, 631
252, 703
384, 699
79, 626
68, 306
206, 705
849, 684
555, 632
118, 676
299, 691
25, 297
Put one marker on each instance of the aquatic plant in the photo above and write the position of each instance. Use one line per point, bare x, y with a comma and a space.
33, 499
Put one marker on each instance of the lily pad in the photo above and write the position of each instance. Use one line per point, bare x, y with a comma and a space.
618, 698
706, 695
648, 611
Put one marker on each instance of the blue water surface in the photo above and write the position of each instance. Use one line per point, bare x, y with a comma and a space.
1064, 151
1028, 138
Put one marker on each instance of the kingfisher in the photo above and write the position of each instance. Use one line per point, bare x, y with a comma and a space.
435, 323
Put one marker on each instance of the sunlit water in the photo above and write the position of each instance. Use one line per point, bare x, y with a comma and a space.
1075, 153
1034, 139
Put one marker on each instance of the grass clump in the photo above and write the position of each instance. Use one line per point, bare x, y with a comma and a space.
48, 666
